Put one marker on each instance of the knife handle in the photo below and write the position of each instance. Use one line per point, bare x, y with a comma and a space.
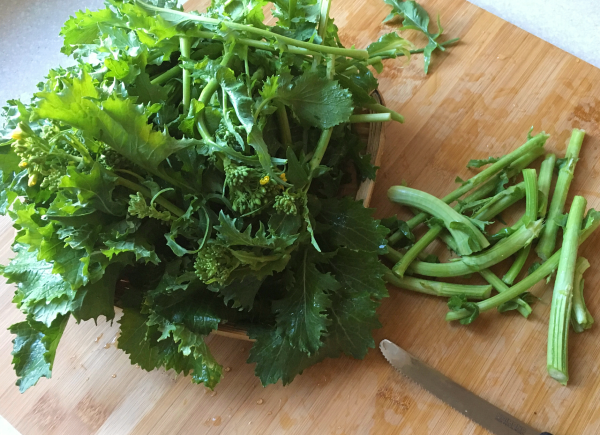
545, 433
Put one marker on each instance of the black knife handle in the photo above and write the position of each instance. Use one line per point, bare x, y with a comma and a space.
545, 433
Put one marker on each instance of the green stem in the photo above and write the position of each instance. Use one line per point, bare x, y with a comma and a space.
380, 108
537, 142
468, 237
531, 194
474, 263
522, 307
517, 266
325, 137
325, 6
581, 319
501, 202
370, 117
544, 183
185, 45
206, 95
560, 310
421, 50
167, 75
353, 53
513, 170
381, 55
437, 288
146, 192
531, 212
81, 148
284, 125
315, 161
260, 107
547, 243
522, 286
415, 250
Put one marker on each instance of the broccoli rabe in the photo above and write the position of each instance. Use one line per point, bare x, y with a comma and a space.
138, 207
285, 203
214, 263
45, 155
248, 188
52, 180
232, 140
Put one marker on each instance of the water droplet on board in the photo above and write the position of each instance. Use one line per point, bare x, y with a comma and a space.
114, 376
98, 338
227, 369
260, 401
213, 394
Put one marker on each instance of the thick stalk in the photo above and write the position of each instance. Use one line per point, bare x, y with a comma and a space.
167, 75
415, 250
547, 243
185, 45
517, 266
206, 95
501, 202
522, 286
370, 117
581, 319
531, 213
325, 6
437, 288
474, 263
353, 53
522, 307
325, 137
535, 143
560, 310
468, 237
380, 108
544, 183
513, 170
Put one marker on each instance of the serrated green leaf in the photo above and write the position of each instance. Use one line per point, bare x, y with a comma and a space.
276, 358
350, 225
97, 299
83, 27
34, 278
118, 122
34, 350
133, 340
301, 315
136, 245
316, 101
229, 233
241, 294
94, 189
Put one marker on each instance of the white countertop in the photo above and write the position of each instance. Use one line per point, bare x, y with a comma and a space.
572, 25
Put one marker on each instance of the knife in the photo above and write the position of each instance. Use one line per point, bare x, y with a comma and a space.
469, 404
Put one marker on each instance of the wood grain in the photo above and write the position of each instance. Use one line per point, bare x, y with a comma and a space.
480, 99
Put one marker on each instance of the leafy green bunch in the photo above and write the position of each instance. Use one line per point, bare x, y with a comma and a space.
186, 170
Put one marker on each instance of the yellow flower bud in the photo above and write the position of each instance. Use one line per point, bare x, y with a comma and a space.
264, 180
18, 133
23, 164
282, 176
33, 178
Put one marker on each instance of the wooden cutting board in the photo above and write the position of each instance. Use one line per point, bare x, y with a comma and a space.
479, 100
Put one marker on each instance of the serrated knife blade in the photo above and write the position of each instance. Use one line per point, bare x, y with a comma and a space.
467, 403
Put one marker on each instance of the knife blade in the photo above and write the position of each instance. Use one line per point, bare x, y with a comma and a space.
467, 403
